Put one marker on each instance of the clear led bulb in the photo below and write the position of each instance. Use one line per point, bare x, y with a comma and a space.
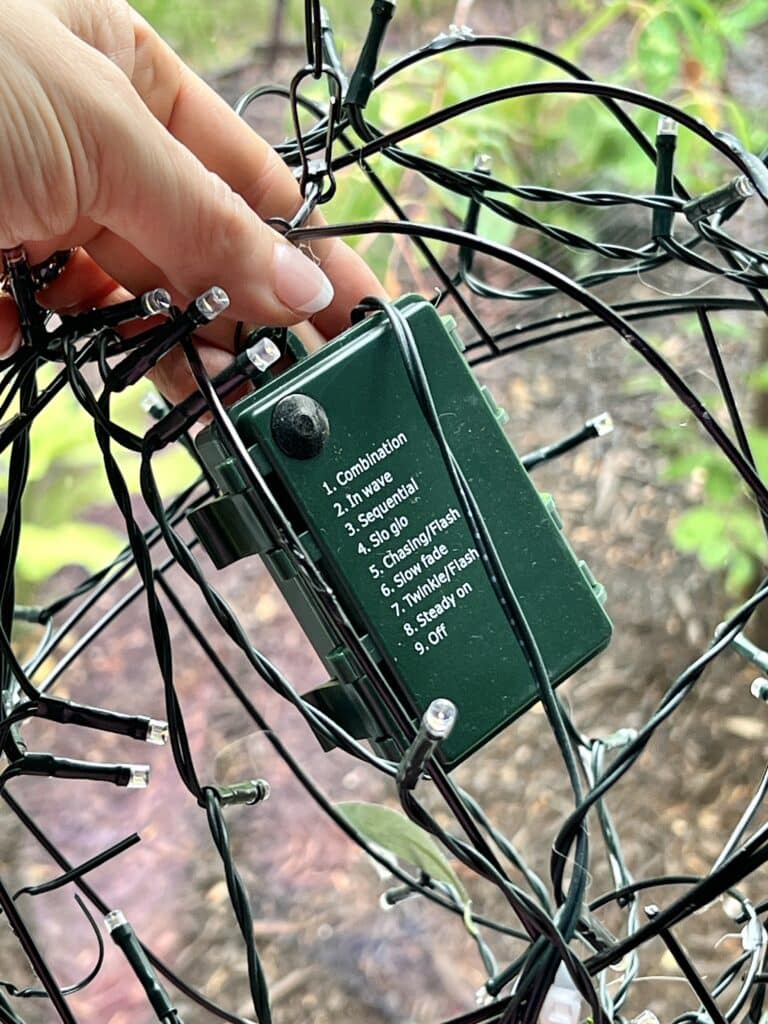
157, 732
115, 919
139, 778
743, 187
212, 303
440, 718
155, 302
602, 424
562, 1003
645, 1017
263, 354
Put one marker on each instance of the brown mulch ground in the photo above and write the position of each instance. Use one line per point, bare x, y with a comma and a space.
329, 952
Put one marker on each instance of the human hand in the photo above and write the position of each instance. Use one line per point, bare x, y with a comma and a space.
111, 144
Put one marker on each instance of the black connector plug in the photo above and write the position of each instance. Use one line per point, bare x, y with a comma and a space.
436, 725
598, 426
250, 365
156, 302
735, 191
255, 791
666, 144
67, 712
134, 776
361, 82
154, 344
124, 936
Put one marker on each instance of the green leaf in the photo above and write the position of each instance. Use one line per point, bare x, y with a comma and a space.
715, 555
745, 16
408, 842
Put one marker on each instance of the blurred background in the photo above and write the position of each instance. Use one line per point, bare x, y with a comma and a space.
657, 515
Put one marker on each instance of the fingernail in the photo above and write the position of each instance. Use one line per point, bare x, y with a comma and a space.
298, 282
13, 347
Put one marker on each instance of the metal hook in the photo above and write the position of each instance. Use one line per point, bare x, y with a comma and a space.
317, 172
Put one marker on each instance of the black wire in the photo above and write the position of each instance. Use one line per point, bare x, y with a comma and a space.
285, 537
724, 384
80, 870
569, 912
679, 690
94, 588
35, 957
611, 319
304, 779
7, 1013
158, 624
585, 323
733, 261
447, 284
602, 90
240, 904
50, 847
70, 990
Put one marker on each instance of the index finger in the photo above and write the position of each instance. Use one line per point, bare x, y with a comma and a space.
204, 123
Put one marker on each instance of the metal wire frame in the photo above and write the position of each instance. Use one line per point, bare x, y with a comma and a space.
547, 920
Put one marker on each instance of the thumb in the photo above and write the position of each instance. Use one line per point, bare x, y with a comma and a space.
153, 192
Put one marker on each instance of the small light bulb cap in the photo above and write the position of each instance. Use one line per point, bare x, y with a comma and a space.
212, 303
157, 732
601, 424
255, 791
139, 776
734, 191
263, 354
436, 725
620, 738
753, 935
483, 997
154, 405
156, 302
115, 919
391, 897
439, 719
562, 1003
645, 1017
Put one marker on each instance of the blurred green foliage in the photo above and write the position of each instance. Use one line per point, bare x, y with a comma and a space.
679, 49
676, 49
212, 35
67, 482
721, 527
208, 34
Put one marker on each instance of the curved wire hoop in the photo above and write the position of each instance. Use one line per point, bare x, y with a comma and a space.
506, 301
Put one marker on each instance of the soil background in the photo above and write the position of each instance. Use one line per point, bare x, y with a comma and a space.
329, 951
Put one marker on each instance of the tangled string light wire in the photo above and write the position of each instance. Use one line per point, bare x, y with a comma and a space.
94, 360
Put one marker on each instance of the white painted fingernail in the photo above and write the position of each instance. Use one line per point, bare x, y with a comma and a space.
298, 282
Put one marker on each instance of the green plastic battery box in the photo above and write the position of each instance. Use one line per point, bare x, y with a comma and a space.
367, 490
